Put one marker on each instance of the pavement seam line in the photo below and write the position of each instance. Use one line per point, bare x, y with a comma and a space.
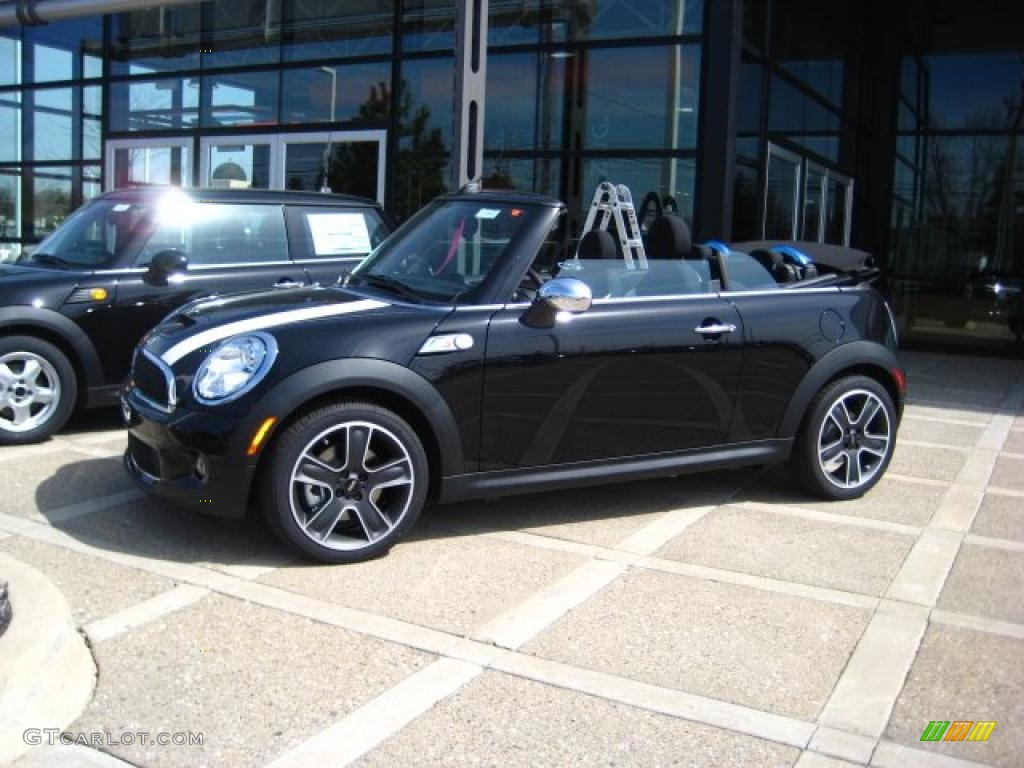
680, 568
995, 490
158, 606
531, 616
516, 626
87, 507
370, 625
841, 744
978, 623
667, 701
865, 693
22, 452
958, 508
915, 480
1009, 545
932, 444
374, 722
831, 517
941, 420
889, 754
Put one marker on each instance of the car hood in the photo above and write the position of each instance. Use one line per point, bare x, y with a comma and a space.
318, 322
39, 286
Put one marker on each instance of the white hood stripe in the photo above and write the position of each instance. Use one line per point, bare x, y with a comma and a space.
262, 322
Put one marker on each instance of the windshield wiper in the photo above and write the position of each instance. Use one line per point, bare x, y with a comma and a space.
49, 258
388, 284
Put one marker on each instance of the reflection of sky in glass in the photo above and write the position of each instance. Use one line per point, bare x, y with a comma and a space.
52, 64
967, 91
600, 19
429, 82
10, 123
673, 177
10, 61
241, 98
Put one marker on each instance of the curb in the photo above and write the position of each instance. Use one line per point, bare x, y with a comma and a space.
47, 673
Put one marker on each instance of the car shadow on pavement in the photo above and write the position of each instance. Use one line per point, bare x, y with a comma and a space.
94, 420
149, 527
96, 502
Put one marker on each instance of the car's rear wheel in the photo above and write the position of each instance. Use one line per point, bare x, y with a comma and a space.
847, 439
345, 482
37, 389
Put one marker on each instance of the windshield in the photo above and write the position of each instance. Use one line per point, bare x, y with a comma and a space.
446, 250
97, 235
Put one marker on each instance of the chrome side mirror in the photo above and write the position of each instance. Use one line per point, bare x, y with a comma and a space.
561, 295
565, 294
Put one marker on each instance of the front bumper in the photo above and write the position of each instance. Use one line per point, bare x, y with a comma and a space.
183, 457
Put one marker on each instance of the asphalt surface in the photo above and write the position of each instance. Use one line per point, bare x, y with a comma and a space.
714, 620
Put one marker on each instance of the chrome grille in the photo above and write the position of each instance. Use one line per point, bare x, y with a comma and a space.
153, 380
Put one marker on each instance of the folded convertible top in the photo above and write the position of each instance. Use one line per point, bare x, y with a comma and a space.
837, 257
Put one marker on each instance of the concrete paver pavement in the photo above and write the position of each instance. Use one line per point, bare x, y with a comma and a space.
722, 620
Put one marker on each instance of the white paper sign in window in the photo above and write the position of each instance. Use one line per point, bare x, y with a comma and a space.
339, 234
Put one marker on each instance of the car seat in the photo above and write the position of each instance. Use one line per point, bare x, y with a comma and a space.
598, 244
669, 238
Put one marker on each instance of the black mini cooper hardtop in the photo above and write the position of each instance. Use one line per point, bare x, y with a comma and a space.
475, 353
72, 312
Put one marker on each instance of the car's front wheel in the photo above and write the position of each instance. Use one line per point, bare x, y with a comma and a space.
345, 482
847, 439
37, 389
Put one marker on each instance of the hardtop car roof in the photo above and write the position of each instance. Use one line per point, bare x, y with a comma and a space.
264, 196
510, 196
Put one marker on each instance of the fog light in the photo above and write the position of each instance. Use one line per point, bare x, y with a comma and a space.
202, 467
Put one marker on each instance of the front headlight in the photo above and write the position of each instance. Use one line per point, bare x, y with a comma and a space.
234, 367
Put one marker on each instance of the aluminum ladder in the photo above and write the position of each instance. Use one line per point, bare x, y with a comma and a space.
616, 202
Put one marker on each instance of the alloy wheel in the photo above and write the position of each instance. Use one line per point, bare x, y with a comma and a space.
29, 391
855, 439
351, 486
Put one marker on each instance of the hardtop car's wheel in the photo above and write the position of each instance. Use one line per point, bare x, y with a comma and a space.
846, 440
38, 389
344, 482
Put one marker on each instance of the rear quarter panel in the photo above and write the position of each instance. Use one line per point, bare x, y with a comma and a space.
786, 333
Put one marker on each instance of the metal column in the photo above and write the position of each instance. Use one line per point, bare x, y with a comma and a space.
470, 88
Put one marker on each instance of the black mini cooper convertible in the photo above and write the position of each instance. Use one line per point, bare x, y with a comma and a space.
474, 353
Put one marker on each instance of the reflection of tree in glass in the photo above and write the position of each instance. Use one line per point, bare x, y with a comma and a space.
419, 165
500, 176
7, 222
52, 206
972, 190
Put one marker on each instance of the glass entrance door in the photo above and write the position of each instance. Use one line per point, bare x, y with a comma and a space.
814, 202
838, 206
782, 194
347, 162
237, 163
805, 201
148, 161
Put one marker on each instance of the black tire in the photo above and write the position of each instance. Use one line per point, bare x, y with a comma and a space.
285, 498
12, 348
804, 464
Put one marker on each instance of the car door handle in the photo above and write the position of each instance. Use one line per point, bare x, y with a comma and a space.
287, 282
715, 329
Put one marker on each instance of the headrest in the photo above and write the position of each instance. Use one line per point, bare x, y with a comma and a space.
597, 244
668, 237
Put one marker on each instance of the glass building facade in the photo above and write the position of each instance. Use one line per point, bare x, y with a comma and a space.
892, 126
